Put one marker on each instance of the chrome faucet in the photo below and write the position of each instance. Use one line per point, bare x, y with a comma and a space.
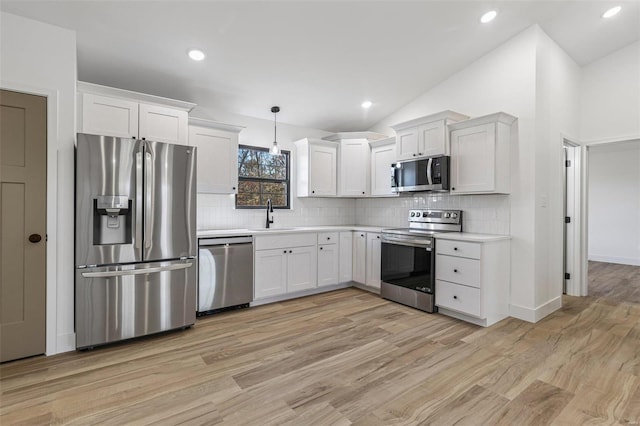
269, 209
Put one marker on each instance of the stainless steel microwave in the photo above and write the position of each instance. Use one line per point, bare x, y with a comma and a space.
425, 174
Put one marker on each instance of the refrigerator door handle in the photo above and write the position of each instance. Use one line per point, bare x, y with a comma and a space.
137, 271
139, 207
148, 207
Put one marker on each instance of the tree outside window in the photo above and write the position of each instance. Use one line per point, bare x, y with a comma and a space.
262, 176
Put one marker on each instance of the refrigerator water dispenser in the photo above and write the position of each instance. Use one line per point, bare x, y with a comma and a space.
112, 220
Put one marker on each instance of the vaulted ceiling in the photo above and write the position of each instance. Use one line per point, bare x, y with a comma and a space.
317, 60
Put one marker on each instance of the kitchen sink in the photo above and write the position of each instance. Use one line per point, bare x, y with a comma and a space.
272, 229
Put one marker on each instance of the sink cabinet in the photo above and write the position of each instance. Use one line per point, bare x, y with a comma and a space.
284, 264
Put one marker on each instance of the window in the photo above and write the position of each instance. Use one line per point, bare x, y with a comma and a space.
262, 176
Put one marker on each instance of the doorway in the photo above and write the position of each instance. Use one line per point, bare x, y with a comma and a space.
23, 181
574, 231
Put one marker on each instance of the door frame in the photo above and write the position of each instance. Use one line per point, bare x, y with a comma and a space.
51, 239
576, 202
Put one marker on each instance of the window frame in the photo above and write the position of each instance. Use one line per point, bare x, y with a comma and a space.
266, 180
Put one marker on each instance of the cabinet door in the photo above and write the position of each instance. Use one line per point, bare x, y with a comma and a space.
473, 159
381, 159
270, 273
360, 257
432, 139
328, 264
354, 168
162, 124
346, 256
302, 263
374, 251
102, 115
217, 160
323, 161
407, 143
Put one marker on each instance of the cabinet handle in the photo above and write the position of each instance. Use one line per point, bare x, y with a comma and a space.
313, 192
234, 188
455, 249
419, 153
328, 238
455, 297
378, 236
290, 251
362, 192
285, 252
414, 155
362, 235
453, 189
320, 248
455, 270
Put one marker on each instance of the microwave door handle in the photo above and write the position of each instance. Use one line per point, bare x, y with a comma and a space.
429, 166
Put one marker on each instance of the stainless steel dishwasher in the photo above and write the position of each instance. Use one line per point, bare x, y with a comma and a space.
225, 278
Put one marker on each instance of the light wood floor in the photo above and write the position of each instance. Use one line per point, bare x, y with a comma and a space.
349, 357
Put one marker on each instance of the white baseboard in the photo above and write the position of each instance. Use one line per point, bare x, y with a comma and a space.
536, 314
66, 343
303, 293
613, 259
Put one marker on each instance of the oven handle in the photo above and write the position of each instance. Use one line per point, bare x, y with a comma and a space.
406, 242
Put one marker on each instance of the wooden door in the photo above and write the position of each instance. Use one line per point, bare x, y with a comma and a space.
23, 184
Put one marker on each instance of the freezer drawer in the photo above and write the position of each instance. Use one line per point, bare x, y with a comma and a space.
120, 302
226, 273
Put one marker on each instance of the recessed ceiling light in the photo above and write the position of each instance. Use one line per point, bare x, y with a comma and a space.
612, 12
367, 104
489, 16
196, 55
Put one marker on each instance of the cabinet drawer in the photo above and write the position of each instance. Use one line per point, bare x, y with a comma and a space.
459, 298
328, 237
267, 242
458, 270
458, 248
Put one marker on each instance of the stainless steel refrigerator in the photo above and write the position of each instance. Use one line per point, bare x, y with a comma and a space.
135, 236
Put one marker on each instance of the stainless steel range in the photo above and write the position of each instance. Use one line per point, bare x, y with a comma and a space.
408, 257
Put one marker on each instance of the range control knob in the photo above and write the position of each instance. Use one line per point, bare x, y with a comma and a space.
454, 215
425, 214
417, 214
413, 214
446, 215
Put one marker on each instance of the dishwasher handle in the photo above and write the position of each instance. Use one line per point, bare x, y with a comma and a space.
222, 241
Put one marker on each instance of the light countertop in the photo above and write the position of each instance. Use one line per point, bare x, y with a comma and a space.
468, 236
208, 233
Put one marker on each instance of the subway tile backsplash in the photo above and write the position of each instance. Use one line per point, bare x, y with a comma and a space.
486, 214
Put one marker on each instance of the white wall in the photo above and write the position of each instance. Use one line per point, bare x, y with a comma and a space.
41, 59
611, 97
502, 80
218, 211
614, 203
558, 80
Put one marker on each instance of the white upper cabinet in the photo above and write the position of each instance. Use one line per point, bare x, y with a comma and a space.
115, 112
353, 174
383, 154
354, 162
317, 162
425, 136
217, 145
480, 155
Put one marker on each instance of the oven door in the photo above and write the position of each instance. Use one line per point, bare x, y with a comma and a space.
408, 264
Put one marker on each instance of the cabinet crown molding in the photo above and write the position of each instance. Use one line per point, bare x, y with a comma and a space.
97, 89
382, 142
210, 124
498, 117
444, 115
370, 136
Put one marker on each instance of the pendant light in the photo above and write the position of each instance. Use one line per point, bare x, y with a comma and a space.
274, 149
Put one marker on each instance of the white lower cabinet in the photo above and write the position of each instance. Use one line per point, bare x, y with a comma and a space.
360, 257
472, 279
346, 256
374, 251
284, 264
328, 264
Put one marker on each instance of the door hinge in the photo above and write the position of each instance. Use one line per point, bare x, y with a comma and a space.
567, 276
567, 163
567, 219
